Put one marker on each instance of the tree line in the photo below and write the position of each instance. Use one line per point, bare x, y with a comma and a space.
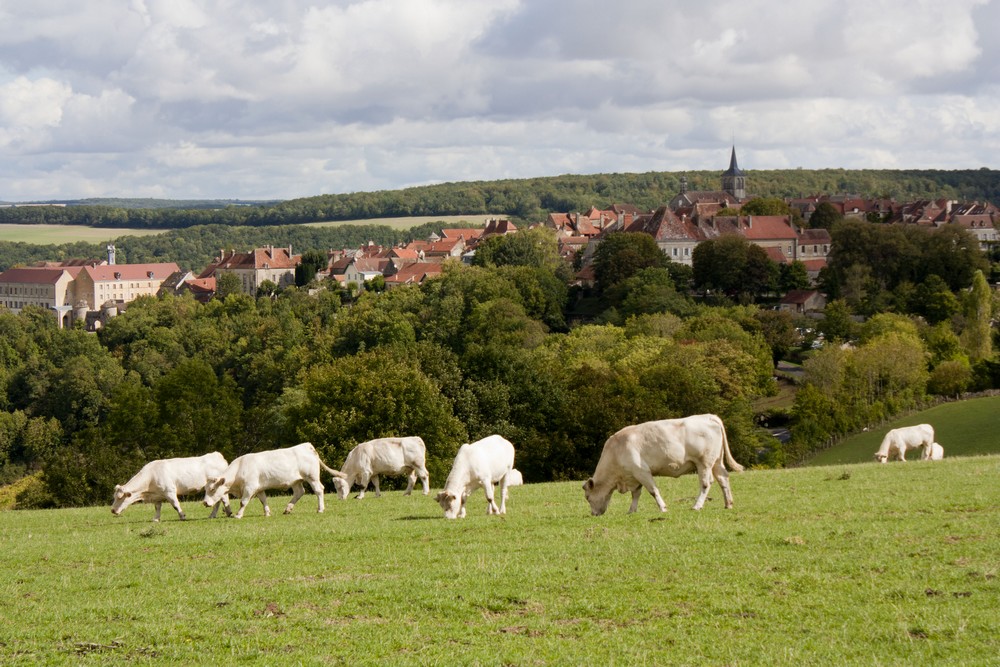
524, 200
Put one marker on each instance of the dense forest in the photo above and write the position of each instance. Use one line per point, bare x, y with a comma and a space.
497, 347
523, 200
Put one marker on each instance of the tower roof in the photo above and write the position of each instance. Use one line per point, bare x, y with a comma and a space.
734, 169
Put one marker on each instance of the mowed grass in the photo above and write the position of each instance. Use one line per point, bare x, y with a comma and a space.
860, 564
963, 428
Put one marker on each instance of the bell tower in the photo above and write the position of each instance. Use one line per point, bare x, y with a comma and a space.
734, 179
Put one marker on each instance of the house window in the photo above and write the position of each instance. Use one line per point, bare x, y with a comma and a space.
687, 251
675, 251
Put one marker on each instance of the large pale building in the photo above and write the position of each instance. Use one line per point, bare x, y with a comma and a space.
72, 292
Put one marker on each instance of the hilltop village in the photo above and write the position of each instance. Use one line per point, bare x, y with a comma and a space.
92, 290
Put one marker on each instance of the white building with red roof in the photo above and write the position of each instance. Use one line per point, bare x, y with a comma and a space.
253, 268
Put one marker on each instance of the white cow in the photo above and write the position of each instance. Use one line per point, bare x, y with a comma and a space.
898, 440
633, 456
515, 478
166, 479
481, 464
936, 453
252, 475
384, 456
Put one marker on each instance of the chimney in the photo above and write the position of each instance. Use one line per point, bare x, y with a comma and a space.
111, 254
749, 222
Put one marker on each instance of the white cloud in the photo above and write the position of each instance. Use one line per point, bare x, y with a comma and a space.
257, 98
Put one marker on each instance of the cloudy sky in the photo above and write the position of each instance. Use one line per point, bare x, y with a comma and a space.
276, 99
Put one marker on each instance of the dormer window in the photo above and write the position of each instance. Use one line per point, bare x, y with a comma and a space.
149, 274
118, 275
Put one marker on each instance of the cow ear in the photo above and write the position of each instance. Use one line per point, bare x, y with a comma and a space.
127, 494
589, 484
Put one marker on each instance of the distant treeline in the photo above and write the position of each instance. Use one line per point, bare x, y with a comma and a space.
523, 199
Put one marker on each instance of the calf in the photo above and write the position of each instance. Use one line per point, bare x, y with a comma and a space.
166, 479
935, 453
251, 475
481, 464
384, 456
633, 456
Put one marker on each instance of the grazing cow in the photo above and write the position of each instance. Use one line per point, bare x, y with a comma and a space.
166, 479
898, 440
936, 453
515, 478
483, 463
252, 475
633, 456
384, 456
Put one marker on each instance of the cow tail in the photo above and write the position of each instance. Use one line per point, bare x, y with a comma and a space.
730, 461
335, 473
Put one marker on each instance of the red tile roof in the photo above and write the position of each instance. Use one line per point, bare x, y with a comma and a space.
37, 275
113, 272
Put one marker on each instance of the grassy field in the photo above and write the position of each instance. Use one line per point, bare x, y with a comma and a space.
963, 428
406, 223
56, 234
859, 564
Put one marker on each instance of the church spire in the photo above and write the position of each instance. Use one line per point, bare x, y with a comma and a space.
734, 179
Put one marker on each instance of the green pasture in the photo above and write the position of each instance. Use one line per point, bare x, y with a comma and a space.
963, 428
56, 234
861, 564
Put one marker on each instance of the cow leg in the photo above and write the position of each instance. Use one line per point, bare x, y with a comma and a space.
705, 477
215, 510
378, 492
262, 497
225, 505
175, 503
636, 493
491, 505
425, 480
363, 481
297, 491
244, 501
156, 517
722, 476
645, 478
503, 495
320, 492
411, 482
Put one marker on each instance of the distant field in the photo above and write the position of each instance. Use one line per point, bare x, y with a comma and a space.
964, 428
56, 234
406, 223
856, 565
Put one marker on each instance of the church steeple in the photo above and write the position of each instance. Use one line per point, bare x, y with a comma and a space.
734, 180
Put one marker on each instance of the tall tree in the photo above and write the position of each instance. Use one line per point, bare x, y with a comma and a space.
623, 254
976, 337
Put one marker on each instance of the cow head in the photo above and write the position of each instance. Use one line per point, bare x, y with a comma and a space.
880, 457
215, 489
122, 499
598, 499
453, 506
343, 487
